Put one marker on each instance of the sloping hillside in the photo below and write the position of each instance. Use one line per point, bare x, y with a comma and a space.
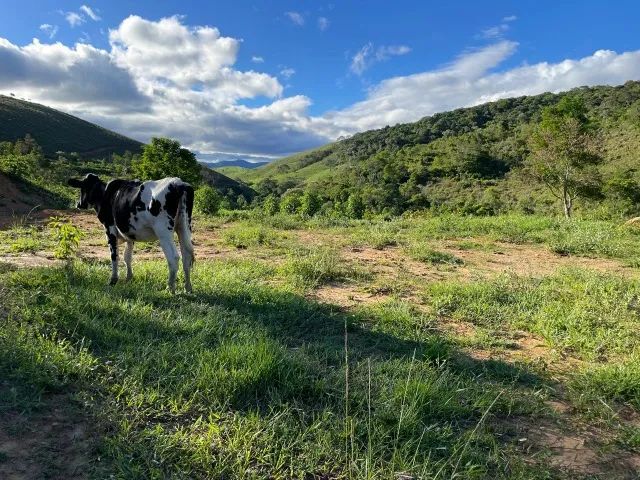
225, 185
57, 131
453, 159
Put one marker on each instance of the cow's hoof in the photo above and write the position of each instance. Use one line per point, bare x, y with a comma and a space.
129, 278
113, 281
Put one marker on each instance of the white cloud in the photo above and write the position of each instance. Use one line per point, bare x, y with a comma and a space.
166, 78
368, 55
495, 32
257, 59
74, 18
50, 30
471, 80
323, 23
287, 72
296, 18
498, 31
90, 13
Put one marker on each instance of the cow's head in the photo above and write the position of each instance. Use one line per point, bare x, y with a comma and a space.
91, 190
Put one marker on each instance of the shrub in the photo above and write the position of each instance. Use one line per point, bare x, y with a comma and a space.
207, 200
354, 207
66, 235
309, 204
290, 202
271, 205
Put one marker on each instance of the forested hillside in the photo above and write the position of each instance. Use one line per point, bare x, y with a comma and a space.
57, 131
468, 160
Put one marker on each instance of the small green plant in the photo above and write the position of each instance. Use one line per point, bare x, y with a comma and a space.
245, 236
207, 200
25, 244
423, 253
66, 235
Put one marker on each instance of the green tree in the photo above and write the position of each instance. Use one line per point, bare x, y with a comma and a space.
271, 205
309, 203
354, 207
164, 157
565, 152
290, 202
207, 200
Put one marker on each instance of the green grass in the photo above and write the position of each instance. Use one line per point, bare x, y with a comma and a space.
23, 239
251, 378
424, 253
247, 379
245, 236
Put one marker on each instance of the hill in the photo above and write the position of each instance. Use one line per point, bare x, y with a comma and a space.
467, 160
227, 186
239, 163
57, 131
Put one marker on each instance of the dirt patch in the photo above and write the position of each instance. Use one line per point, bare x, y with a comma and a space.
530, 260
577, 450
343, 295
54, 442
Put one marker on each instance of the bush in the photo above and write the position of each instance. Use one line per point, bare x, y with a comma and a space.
290, 202
66, 235
207, 200
309, 204
271, 205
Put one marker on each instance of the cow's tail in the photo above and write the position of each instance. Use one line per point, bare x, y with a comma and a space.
185, 209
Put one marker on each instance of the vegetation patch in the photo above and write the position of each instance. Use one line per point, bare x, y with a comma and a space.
424, 253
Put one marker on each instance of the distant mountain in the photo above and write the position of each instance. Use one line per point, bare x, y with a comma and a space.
57, 131
239, 162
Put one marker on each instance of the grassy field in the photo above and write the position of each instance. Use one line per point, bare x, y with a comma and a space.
427, 347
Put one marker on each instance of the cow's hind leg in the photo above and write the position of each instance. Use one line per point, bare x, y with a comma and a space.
128, 256
186, 249
113, 247
171, 254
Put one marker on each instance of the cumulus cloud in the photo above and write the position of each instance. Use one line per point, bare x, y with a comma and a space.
296, 18
50, 30
90, 13
323, 23
66, 77
510, 18
74, 19
257, 59
167, 78
368, 55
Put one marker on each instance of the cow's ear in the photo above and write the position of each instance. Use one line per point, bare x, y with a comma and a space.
74, 182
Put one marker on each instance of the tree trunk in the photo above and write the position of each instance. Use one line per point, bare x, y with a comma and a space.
568, 205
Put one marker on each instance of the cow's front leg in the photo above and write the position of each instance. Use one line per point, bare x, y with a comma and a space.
128, 256
112, 239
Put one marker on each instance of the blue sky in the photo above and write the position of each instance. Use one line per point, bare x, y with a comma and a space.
270, 78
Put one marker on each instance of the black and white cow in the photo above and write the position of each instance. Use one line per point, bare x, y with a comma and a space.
133, 211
